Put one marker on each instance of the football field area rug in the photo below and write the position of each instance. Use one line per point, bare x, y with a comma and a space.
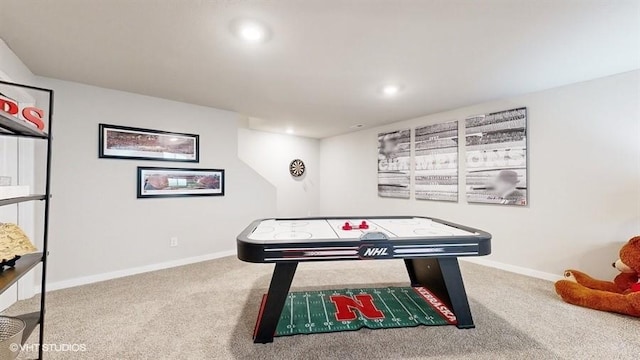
310, 312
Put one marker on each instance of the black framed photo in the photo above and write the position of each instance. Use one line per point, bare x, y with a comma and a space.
122, 142
156, 182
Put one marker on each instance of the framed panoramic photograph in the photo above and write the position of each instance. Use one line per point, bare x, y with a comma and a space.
123, 142
154, 182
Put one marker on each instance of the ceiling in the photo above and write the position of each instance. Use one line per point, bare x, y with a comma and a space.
324, 63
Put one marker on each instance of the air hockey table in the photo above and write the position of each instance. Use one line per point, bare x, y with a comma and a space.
429, 247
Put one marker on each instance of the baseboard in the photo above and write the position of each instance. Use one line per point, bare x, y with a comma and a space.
196, 259
133, 271
515, 269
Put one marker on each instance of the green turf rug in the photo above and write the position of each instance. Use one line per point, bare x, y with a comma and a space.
310, 312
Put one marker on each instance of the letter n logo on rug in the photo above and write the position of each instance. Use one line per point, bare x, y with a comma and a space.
345, 306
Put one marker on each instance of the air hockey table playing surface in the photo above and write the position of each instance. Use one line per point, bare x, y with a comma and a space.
318, 239
429, 247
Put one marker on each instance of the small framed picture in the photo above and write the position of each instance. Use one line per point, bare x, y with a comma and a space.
155, 182
121, 142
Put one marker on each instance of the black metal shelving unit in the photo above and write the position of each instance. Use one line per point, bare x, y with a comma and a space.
12, 126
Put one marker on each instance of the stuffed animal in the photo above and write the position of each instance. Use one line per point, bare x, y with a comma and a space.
620, 296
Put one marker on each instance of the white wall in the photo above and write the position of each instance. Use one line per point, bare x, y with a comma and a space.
97, 224
12, 68
584, 178
270, 154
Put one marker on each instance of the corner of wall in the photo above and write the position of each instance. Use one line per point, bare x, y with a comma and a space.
12, 68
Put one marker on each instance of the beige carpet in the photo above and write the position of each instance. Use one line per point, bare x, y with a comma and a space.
208, 310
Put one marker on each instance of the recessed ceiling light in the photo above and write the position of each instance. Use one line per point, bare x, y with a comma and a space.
390, 90
251, 31
289, 131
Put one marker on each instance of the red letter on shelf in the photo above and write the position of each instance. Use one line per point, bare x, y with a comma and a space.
362, 302
34, 116
8, 106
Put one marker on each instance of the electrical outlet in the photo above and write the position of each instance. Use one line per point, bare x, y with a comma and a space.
173, 242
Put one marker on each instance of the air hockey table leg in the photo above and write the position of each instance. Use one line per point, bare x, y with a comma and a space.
442, 277
276, 297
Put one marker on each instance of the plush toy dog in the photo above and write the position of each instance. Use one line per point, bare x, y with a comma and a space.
620, 296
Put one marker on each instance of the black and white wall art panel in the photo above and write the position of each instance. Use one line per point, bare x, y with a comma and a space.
496, 157
436, 162
394, 164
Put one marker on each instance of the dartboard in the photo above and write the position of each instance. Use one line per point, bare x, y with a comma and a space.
296, 168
